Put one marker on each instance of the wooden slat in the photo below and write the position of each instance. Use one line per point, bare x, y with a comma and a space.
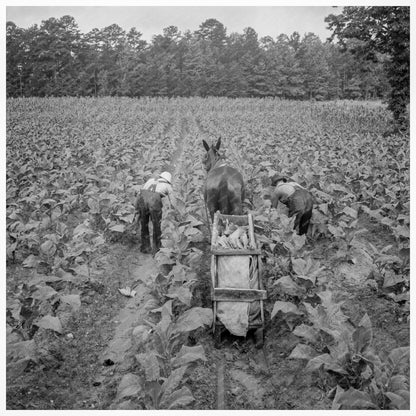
214, 304
238, 295
235, 219
236, 252
260, 266
251, 325
213, 271
214, 235
251, 230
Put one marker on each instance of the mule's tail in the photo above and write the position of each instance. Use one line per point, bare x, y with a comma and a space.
236, 199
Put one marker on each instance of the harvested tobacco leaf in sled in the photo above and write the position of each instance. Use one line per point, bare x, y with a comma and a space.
233, 236
237, 290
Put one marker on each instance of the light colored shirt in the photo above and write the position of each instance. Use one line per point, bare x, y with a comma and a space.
285, 189
160, 186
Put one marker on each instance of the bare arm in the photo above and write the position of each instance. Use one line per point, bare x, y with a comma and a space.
276, 197
170, 197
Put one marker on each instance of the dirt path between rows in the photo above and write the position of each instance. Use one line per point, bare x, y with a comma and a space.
132, 314
89, 365
118, 358
131, 333
86, 371
84, 368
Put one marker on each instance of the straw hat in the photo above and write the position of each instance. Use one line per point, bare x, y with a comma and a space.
166, 176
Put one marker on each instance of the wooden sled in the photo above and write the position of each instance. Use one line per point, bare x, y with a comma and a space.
236, 277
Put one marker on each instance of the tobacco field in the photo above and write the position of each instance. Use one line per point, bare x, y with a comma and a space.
92, 323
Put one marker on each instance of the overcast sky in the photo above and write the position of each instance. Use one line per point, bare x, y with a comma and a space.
270, 20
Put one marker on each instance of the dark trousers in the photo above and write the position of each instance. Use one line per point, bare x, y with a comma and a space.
300, 203
149, 206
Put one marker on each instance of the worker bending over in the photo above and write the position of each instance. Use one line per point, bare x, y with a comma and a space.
149, 205
297, 198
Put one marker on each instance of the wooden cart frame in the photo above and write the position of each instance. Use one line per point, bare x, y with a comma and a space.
219, 294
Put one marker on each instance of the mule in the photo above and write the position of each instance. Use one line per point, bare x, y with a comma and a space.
224, 189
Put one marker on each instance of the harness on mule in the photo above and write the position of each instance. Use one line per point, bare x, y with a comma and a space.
223, 163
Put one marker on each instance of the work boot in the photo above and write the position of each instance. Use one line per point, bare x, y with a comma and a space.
145, 240
145, 247
146, 250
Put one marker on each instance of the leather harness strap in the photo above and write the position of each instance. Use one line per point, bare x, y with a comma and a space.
219, 163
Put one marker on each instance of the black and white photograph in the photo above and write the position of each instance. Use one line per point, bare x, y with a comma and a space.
207, 206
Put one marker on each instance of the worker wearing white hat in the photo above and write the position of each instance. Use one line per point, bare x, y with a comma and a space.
149, 206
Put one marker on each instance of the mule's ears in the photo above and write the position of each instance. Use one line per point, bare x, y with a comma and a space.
217, 146
205, 145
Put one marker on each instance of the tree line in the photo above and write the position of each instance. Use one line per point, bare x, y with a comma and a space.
371, 59
368, 32
56, 59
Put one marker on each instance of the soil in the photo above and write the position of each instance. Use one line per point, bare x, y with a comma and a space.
85, 366
77, 364
84, 370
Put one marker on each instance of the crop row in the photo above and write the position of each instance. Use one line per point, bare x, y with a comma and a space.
74, 167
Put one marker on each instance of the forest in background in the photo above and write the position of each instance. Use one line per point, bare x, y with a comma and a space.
56, 59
